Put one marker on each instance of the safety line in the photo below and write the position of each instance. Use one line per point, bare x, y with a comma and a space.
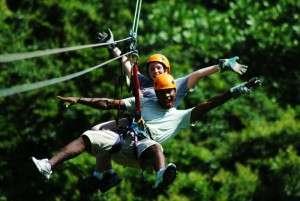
133, 31
5, 58
36, 85
136, 16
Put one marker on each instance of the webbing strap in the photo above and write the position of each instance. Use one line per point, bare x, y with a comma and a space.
136, 91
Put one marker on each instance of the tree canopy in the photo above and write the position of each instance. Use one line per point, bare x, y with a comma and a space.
247, 149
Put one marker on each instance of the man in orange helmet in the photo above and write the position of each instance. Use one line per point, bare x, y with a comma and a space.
162, 122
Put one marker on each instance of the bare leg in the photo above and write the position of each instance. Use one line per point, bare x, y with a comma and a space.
156, 157
165, 175
71, 150
103, 163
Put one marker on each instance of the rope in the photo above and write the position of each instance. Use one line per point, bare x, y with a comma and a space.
5, 58
136, 16
133, 32
36, 85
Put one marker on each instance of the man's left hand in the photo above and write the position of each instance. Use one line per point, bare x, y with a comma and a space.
68, 100
233, 65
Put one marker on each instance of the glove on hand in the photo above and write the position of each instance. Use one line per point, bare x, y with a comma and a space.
233, 65
107, 37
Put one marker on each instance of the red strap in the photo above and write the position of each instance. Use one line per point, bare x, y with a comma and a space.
136, 92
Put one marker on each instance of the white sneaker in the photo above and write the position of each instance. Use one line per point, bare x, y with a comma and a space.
43, 166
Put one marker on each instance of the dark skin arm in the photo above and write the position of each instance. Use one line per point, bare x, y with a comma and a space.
203, 108
99, 103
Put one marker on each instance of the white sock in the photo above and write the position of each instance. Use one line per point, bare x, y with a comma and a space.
160, 172
99, 174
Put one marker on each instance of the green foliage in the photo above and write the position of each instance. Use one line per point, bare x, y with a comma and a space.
248, 149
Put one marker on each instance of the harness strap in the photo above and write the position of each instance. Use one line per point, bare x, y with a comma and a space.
136, 91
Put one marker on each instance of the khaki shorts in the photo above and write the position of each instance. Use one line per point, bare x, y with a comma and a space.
111, 125
102, 142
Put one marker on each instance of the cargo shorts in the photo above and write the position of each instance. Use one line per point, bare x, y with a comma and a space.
102, 142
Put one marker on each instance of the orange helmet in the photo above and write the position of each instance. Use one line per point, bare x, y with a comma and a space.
160, 58
164, 81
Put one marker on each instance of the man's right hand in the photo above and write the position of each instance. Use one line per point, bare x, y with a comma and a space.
68, 100
107, 37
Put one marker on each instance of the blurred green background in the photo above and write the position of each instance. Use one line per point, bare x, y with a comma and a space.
248, 149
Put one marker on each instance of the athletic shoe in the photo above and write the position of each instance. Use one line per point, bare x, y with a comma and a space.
43, 166
92, 184
165, 177
109, 180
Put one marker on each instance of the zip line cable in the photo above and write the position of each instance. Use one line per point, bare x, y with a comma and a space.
133, 31
5, 58
136, 16
36, 85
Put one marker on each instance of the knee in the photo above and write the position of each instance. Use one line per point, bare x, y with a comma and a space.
152, 151
87, 143
156, 148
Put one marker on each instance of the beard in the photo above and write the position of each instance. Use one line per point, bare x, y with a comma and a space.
166, 104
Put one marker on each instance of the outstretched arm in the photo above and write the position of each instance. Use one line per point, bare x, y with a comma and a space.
195, 76
203, 108
224, 64
99, 103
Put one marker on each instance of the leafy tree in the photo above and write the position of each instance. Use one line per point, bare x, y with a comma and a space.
248, 149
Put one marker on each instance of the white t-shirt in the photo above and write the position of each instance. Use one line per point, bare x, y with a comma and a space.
162, 123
